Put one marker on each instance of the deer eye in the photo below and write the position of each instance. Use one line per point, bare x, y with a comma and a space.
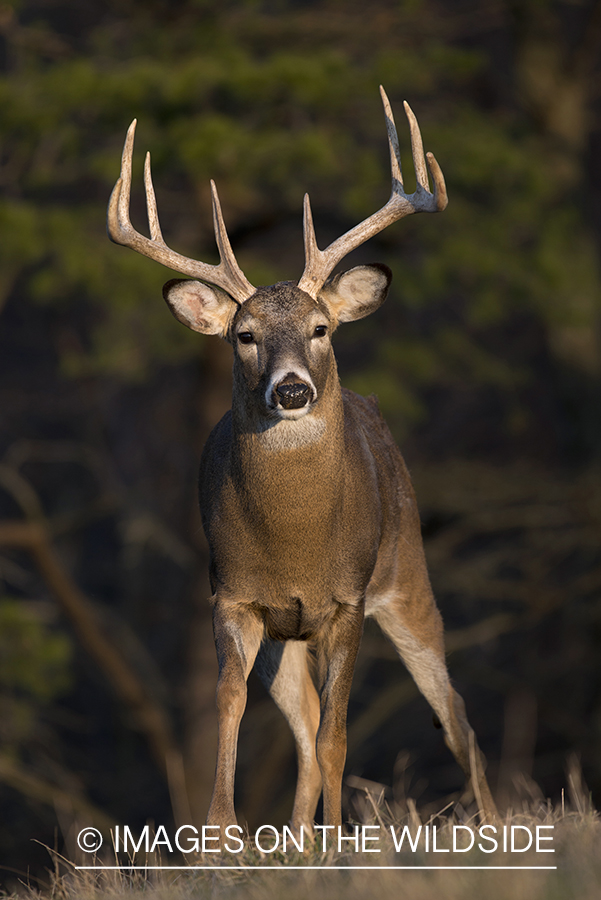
320, 331
245, 337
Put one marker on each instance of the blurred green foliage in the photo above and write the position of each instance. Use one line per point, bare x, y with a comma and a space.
272, 99
34, 669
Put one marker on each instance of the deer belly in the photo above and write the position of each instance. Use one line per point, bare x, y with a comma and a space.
294, 619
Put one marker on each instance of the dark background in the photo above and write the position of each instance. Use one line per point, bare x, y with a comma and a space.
485, 359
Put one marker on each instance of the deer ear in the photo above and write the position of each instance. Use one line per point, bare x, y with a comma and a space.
357, 293
200, 307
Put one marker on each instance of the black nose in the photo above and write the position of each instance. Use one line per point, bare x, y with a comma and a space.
293, 396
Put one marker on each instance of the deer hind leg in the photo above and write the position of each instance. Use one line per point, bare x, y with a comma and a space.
426, 663
283, 669
238, 635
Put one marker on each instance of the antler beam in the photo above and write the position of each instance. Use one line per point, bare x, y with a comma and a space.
320, 263
226, 275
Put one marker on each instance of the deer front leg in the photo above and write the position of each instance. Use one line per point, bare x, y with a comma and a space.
337, 654
238, 634
283, 669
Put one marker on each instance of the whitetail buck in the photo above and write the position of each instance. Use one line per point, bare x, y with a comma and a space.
306, 502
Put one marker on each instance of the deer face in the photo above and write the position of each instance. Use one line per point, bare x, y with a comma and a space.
282, 348
281, 337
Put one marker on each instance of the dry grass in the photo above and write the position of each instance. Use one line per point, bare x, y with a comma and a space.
577, 858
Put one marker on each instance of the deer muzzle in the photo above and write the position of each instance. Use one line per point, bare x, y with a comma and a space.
292, 396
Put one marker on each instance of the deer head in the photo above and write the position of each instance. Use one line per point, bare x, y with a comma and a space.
303, 316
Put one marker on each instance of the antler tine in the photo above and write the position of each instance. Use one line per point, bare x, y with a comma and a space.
151, 204
417, 148
393, 141
311, 249
118, 223
315, 259
441, 199
227, 275
226, 254
320, 263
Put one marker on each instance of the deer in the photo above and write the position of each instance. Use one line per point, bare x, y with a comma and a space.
306, 502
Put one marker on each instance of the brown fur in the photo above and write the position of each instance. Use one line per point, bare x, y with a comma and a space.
312, 523
306, 502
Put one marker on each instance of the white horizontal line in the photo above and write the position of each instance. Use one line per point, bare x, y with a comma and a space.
315, 868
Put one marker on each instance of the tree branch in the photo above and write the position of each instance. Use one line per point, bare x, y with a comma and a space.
150, 716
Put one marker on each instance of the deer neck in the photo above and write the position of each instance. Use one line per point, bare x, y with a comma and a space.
289, 472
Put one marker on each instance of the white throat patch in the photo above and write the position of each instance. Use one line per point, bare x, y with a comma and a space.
289, 434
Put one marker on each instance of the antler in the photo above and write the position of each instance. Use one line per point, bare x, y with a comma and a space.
319, 263
226, 275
